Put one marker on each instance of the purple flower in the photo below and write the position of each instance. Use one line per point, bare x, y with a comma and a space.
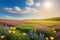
58, 34
41, 36
57, 26
37, 37
42, 28
6, 22
30, 32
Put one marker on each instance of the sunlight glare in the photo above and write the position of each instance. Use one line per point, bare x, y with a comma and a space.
47, 4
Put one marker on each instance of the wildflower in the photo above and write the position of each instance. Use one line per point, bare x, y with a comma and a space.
53, 28
46, 38
13, 31
52, 38
30, 32
10, 31
11, 27
54, 31
2, 36
14, 28
24, 33
41, 36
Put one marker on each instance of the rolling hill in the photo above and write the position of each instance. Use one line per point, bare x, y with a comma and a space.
49, 21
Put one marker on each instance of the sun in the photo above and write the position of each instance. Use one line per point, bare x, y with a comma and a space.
47, 4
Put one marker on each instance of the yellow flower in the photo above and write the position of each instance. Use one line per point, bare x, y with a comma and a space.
24, 33
53, 28
51, 38
14, 28
13, 31
2, 37
11, 27
54, 31
10, 31
46, 38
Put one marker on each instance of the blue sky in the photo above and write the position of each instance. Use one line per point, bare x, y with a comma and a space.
29, 9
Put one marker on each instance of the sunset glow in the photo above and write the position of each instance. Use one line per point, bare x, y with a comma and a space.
47, 4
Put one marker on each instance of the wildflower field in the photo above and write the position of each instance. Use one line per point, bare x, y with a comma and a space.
30, 30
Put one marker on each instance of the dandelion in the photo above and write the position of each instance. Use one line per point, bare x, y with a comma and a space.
13, 31
46, 38
53, 28
52, 38
11, 27
2, 36
14, 28
24, 33
10, 31
54, 31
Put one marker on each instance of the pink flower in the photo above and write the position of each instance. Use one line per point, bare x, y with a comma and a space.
57, 26
42, 27
58, 34
9, 22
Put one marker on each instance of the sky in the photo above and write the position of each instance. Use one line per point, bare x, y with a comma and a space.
29, 9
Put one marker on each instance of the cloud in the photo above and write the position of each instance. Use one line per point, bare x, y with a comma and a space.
34, 10
13, 10
21, 11
11, 17
16, 9
38, 4
7, 16
26, 9
29, 2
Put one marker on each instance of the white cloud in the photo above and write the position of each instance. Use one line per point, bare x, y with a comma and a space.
33, 10
26, 10
16, 8
29, 9
7, 16
38, 12
13, 10
38, 4
21, 11
29, 2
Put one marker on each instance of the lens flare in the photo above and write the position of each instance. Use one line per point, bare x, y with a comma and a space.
47, 4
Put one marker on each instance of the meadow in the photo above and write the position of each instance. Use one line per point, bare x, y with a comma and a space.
30, 30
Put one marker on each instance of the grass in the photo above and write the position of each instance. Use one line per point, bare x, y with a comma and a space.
44, 22
31, 25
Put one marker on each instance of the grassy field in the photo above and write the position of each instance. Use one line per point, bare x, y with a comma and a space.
30, 30
43, 22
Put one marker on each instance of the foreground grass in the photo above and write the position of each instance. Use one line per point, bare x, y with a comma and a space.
22, 30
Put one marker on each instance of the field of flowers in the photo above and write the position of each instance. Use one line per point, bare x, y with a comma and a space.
30, 32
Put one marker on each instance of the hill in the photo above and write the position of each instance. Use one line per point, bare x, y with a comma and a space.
49, 21
54, 18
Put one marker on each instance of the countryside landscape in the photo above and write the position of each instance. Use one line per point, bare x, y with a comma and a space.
29, 19
44, 29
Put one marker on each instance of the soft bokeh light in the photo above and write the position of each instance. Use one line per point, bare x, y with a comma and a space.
24, 33
47, 4
13, 31
10, 31
51, 38
46, 38
2, 36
